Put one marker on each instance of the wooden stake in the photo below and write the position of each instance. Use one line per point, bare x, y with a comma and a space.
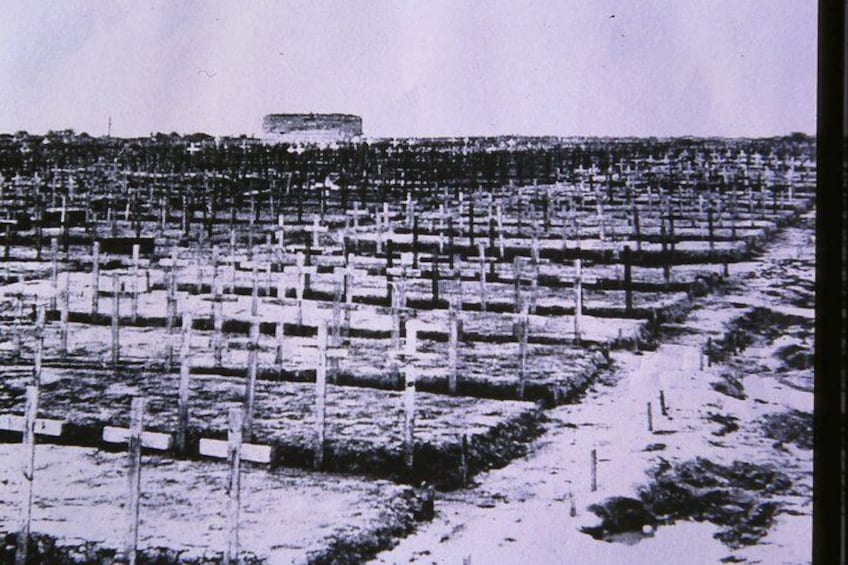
396, 312
54, 271
279, 335
578, 298
39, 345
628, 280
185, 375
136, 250
650, 418
254, 289
523, 334
234, 439
709, 352
171, 305
663, 407
28, 468
594, 470
320, 397
453, 339
637, 228
463, 460
500, 231
250, 392
434, 281
116, 316
63, 314
483, 293
95, 277
516, 277
710, 226
409, 416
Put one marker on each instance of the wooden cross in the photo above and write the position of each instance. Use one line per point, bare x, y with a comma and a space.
302, 272
317, 229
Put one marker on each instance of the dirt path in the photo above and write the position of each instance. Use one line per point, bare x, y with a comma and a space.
521, 513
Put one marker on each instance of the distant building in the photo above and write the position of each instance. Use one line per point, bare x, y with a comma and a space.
310, 128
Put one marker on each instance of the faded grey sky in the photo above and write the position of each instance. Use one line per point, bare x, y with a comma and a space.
594, 67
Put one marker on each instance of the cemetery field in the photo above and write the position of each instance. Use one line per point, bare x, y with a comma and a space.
308, 367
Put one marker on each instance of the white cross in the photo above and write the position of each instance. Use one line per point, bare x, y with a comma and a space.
317, 228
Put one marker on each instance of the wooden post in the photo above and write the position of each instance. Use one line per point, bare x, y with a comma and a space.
396, 313
628, 280
390, 247
650, 418
234, 439
636, 227
483, 293
217, 312
185, 375
500, 231
578, 298
279, 335
281, 232
665, 259
320, 397
39, 345
663, 407
710, 225
516, 278
28, 468
523, 327
594, 470
491, 233
63, 314
116, 316
409, 417
254, 288
134, 477
463, 460
471, 219
450, 242
453, 351
54, 271
672, 239
434, 280
338, 289
534, 287
600, 209
348, 291
709, 352
415, 242
95, 277
171, 306
136, 250
250, 392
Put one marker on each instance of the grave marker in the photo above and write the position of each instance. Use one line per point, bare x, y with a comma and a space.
27, 472
134, 477
116, 313
95, 277
234, 439
320, 397
250, 391
185, 375
578, 298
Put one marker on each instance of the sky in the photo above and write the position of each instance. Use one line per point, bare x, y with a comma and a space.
412, 68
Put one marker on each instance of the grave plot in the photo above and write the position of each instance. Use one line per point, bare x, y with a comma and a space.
361, 430
79, 514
